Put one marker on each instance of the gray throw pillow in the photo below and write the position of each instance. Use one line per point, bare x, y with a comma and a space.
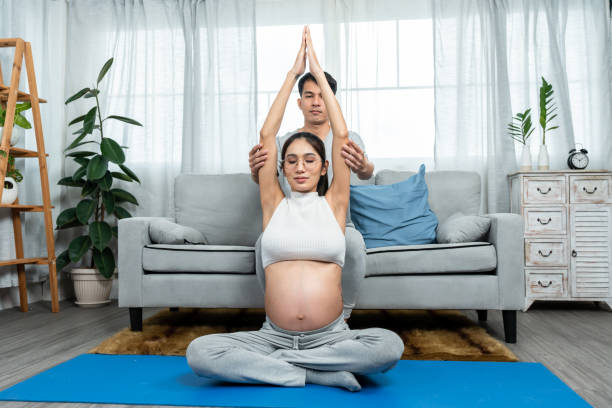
163, 231
463, 228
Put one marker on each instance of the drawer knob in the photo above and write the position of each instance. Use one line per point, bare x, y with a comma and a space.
574, 253
544, 285
543, 192
544, 223
589, 192
547, 255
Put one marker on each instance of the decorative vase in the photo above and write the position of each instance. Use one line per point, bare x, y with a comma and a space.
91, 288
9, 191
543, 158
526, 158
15, 136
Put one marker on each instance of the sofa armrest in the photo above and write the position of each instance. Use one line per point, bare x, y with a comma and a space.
132, 237
506, 234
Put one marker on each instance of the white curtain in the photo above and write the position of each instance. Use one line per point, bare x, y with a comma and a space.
489, 60
184, 69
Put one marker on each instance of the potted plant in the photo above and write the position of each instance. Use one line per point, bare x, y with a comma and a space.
13, 176
547, 107
520, 129
98, 199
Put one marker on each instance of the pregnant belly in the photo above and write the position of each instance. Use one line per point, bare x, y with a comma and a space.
303, 295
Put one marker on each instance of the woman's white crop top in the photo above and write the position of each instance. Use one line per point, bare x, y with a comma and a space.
303, 227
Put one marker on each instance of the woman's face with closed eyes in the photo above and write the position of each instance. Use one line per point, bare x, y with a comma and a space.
302, 166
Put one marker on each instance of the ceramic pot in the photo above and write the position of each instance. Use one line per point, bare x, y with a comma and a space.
543, 163
526, 158
91, 288
9, 192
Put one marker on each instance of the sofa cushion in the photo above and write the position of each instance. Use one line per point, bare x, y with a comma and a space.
162, 231
463, 228
469, 257
224, 207
396, 214
449, 191
168, 258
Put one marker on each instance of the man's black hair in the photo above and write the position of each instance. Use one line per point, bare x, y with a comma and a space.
309, 77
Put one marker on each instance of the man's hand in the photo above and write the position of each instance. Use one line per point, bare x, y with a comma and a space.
355, 158
257, 158
300, 61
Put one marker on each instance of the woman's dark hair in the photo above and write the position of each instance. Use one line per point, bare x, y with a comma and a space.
319, 147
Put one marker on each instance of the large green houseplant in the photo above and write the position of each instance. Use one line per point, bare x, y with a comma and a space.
94, 178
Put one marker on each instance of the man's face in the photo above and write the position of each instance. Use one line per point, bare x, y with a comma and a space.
311, 104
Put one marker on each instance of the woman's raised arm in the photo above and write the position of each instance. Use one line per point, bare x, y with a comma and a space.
270, 192
339, 190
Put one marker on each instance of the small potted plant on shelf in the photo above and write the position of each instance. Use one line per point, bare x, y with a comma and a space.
13, 176
547, 107
98, 198
520, 129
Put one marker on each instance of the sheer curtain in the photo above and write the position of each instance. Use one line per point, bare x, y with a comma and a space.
489, 60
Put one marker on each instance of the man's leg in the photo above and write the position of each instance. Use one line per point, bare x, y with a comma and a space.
354, 269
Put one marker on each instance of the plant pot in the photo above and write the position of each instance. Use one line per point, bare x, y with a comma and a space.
543, 163
526, 158
91, 288
9, 193
15, 136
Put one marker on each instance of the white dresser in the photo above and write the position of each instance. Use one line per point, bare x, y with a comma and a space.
567, 217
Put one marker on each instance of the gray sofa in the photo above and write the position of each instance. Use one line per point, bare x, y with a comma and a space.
482, 276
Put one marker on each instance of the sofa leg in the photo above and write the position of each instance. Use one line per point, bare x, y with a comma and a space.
482, 315
136, 318
509, 317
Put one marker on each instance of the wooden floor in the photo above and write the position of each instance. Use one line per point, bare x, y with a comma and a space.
574, 340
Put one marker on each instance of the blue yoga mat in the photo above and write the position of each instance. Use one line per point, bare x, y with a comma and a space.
168, 380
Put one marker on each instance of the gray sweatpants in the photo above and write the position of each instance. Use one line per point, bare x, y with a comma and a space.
276, 356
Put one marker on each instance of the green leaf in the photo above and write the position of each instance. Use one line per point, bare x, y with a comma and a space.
112, 151
20, 107
121, 212
78, 247
106, 182
100, 234
129, 172
97, 167
81, 153
22, 122
122, 195
124, 119
84, 210
76, 141
90, 120
108, 199
77, 120
116, 231
89, 188
62, 260
68, 181
66, 217
105, 69
79, 173
92, 94
105, 262
79, 144
82, 161
77, 95
120, 176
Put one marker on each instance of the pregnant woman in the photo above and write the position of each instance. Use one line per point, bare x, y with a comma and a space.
304, 338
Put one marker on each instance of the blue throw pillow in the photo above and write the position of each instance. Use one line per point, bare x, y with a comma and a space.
394, 214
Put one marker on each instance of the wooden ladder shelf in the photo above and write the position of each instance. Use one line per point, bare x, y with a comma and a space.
9, 96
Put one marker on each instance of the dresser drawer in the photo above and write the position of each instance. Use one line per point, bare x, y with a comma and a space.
590, 189
545, 252
551, 283
545, 220
544, 189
